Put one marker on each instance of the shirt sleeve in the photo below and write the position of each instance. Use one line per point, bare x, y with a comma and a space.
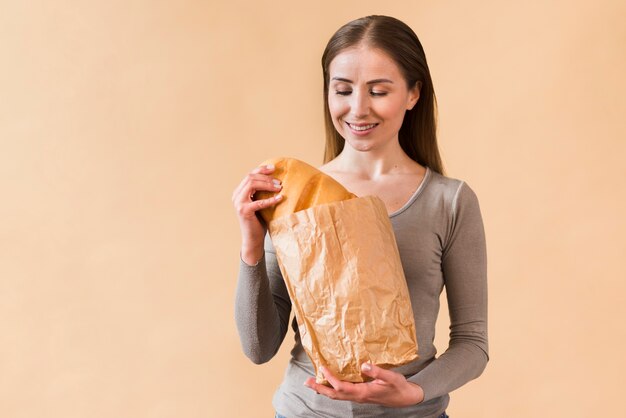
464, 266
262, 308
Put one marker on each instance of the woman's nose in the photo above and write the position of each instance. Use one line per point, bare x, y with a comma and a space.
360, 105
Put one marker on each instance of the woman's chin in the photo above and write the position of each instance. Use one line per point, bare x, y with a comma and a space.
362, 148
363, 145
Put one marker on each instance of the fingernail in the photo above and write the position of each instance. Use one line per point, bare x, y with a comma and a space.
278, 197
277, 183
270, 166
366, 367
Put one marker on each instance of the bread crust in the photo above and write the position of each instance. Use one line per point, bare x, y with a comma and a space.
304, 186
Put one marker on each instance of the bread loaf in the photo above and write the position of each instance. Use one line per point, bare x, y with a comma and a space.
304, 186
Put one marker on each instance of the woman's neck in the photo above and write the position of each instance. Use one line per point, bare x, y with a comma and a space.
371, 164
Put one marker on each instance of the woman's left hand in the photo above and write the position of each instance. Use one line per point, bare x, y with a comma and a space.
388, 388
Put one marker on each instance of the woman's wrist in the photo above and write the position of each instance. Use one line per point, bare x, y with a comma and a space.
417, 393
251, 255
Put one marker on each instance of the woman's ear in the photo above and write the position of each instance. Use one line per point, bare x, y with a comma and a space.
414, 95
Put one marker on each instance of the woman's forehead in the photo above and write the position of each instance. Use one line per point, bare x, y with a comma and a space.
363, 62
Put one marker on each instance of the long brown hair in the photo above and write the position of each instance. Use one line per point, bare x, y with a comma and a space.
418, 134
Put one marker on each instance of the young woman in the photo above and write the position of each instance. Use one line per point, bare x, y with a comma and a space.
381, 140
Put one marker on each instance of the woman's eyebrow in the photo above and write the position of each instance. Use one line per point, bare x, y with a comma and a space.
375, 81
379, 80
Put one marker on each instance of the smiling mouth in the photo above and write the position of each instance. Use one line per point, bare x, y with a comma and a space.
361, 126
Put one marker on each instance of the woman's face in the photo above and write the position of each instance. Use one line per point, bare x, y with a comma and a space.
368, 97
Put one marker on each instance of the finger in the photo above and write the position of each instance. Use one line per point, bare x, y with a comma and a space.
271, 185
322, 389
265, 169
378, 373
310, 383
260, 181
355, 392
260, 172
334, 381
246, 194
263, 203
248, 210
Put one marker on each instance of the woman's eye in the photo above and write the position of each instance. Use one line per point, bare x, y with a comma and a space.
378, 93
343, 92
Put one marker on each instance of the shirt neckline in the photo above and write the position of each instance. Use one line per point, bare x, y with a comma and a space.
414, 195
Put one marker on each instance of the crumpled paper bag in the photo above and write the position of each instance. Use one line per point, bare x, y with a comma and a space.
342, 269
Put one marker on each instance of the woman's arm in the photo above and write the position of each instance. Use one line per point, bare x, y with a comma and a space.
262, 308
261, 305
464, 265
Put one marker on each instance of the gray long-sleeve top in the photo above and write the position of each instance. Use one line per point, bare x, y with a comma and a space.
441, 241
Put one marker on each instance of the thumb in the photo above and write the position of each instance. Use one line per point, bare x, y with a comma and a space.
376, 372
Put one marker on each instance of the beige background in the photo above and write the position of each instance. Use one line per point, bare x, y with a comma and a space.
125, 126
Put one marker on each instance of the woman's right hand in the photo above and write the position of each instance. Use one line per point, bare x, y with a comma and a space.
252, 229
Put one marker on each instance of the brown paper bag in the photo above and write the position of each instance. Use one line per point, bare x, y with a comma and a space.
342, 269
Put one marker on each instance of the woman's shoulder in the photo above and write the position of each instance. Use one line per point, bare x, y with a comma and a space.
443, 185
459, 195
448, 192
